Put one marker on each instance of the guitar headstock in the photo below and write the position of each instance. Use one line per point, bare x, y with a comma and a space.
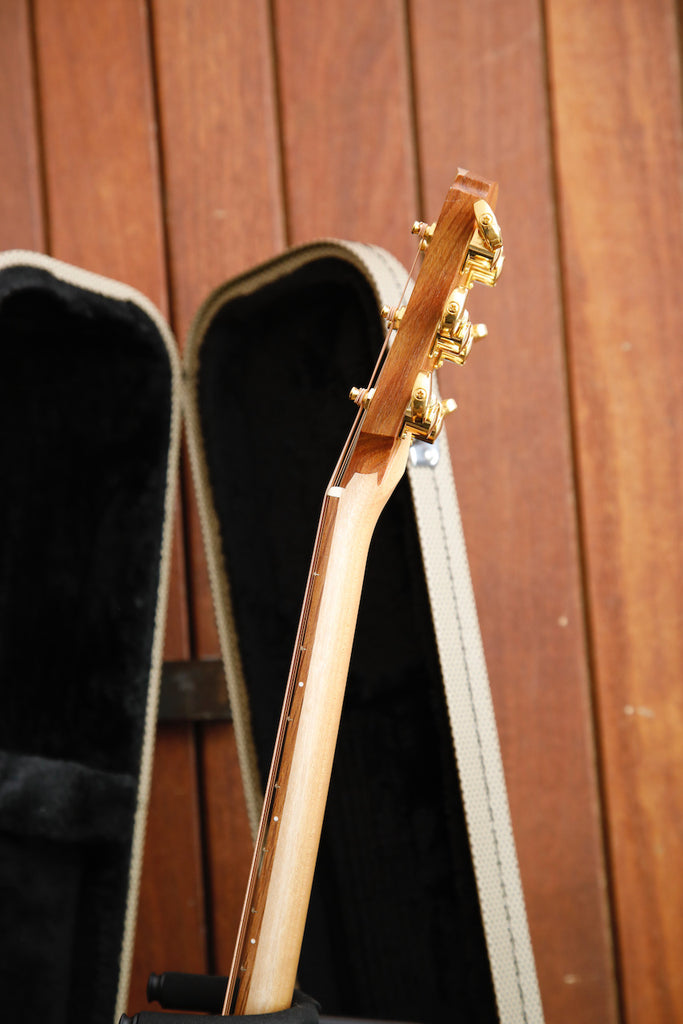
463, 246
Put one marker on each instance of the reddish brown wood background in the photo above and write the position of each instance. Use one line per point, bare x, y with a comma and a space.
173, 143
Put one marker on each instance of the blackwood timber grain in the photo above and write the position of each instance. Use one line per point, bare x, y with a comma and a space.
104, 208
481, 99
21, 214
615, 75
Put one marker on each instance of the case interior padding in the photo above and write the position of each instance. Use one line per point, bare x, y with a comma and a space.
394, 928
85, 417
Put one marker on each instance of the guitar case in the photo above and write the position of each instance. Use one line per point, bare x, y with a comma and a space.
416, 912
90, 417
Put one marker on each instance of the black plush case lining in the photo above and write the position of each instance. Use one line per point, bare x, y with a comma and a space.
85, 421
394, 928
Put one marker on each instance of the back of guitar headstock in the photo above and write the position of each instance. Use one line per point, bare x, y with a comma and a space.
463, 246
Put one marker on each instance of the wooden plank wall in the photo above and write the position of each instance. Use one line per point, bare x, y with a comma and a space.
173, 143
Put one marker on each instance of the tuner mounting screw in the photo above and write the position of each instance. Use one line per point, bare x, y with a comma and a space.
488, 225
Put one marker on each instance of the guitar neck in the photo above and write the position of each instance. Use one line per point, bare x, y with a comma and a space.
462, 247
267, 952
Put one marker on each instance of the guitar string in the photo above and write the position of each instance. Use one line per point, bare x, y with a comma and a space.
345, 458
269, 795
356, 429
347, 452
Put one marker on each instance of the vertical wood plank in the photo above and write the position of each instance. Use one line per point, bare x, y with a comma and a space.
171, 919
345, 109
615, 72
21, 216
98, 122
229, 844
481, 100
220, 158
103, 199
223, 214
223, 209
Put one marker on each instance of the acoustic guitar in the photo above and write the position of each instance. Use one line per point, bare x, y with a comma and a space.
398, 405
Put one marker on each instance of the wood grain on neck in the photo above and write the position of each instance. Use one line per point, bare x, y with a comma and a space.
267, 953
439, 275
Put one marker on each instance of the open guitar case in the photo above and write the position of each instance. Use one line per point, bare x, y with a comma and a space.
90, 423
417, 911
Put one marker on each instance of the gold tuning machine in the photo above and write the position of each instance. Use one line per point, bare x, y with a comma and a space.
456, 333
424, 415
484, 260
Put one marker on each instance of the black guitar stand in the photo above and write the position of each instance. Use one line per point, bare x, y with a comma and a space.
203, 994
199, 993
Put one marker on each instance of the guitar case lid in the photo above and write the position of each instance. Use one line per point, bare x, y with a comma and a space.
90, 422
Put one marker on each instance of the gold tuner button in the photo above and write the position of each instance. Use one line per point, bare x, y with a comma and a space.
393, 316
448, 405
361, 396
479, 331
424, 232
